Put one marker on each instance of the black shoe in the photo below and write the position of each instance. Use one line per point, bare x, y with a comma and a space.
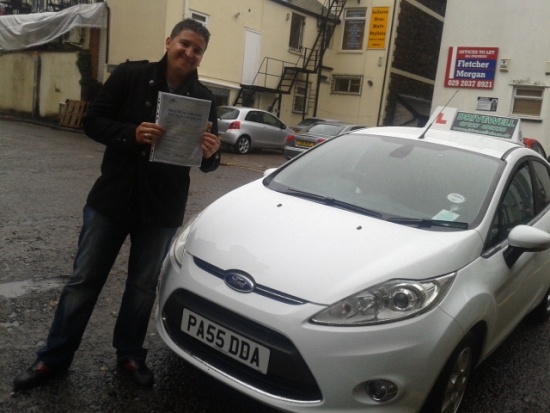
138, 371
35, 375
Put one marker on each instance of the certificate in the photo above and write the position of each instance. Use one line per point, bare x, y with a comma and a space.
184, 119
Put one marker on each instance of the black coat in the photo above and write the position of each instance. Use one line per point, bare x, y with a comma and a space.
131, 187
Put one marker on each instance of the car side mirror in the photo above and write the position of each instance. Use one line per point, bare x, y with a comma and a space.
524, 238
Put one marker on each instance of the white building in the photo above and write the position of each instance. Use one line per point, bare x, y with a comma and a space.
496, 58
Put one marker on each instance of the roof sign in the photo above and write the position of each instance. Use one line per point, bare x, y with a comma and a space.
489, 125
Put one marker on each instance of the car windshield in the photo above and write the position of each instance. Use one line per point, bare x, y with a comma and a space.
227, 113
308, 121
324, 129
409, 182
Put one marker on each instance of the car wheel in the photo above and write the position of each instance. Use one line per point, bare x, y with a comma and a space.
242, 145
541, 312
449, 389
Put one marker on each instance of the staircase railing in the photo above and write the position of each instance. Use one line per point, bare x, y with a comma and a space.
282, 79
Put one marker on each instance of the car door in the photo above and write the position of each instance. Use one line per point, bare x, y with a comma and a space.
274, 134
253, 126
517, 289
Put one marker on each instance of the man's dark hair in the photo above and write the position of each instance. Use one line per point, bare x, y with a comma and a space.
193, 25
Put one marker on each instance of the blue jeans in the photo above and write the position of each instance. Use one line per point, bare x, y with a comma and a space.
98, 246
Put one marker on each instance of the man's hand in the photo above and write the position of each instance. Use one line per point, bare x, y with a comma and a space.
148, 133
210, 144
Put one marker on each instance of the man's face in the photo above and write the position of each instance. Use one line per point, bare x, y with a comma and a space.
185, 52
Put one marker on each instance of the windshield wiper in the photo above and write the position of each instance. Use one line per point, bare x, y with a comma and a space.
332, 202
428, 223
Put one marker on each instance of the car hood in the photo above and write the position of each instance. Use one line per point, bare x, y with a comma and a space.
317, 252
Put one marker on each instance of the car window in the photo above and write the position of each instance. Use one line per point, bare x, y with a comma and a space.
396, 177
227, 113
307, 122
271, 120
253, 116
542, 180
324, 129
517, 207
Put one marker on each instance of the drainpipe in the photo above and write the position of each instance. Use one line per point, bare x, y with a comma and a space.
391, 49
186, 9
36, 85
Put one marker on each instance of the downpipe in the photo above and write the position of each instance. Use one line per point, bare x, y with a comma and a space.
36, 85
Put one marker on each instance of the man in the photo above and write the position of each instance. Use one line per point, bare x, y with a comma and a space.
133, 196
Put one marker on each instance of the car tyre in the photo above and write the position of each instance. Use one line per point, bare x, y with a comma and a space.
242, 146
541, 312
449, 389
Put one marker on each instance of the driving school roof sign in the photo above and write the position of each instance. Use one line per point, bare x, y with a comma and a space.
496, 126
471, 67
447, 118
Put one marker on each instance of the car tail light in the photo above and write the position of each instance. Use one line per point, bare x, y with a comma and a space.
235, 125
290, 138
321, 140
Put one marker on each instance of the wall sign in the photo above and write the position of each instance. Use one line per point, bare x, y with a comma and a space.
487, 104
378, 28
471, 67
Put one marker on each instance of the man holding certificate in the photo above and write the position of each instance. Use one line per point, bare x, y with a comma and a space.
134, 196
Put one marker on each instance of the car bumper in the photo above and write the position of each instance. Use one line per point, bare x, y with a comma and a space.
334, 363
229, 137
292, 151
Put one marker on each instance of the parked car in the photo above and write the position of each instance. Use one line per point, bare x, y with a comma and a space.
248, 128
309, 121
535, 145
313, 134
372, 273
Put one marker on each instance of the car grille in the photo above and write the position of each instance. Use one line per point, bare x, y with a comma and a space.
288, 375
258, 289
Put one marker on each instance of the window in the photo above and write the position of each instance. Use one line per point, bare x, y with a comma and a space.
201, 18
301, 94
271, 120
517, 207
527, 101
542, 179
347, 84
253, 117
296, 32
354, 29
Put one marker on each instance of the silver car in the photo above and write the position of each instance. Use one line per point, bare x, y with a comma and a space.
248, 128
314, 134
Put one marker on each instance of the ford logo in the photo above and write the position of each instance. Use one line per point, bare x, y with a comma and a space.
239, 281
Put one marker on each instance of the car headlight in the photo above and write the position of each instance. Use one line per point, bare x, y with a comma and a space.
178, 246
390, 301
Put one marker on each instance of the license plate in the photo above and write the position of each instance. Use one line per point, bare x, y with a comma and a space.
232, 344
305, 143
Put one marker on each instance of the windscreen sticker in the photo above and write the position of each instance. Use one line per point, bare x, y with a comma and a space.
446, 215
456, 198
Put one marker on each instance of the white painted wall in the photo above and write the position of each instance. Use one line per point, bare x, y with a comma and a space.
518, 29
59, 81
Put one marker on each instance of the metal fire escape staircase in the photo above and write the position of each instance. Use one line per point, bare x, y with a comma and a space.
278, 77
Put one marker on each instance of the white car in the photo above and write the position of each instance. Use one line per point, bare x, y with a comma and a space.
371, 274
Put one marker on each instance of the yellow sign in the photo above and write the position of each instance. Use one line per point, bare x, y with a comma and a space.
378, 28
